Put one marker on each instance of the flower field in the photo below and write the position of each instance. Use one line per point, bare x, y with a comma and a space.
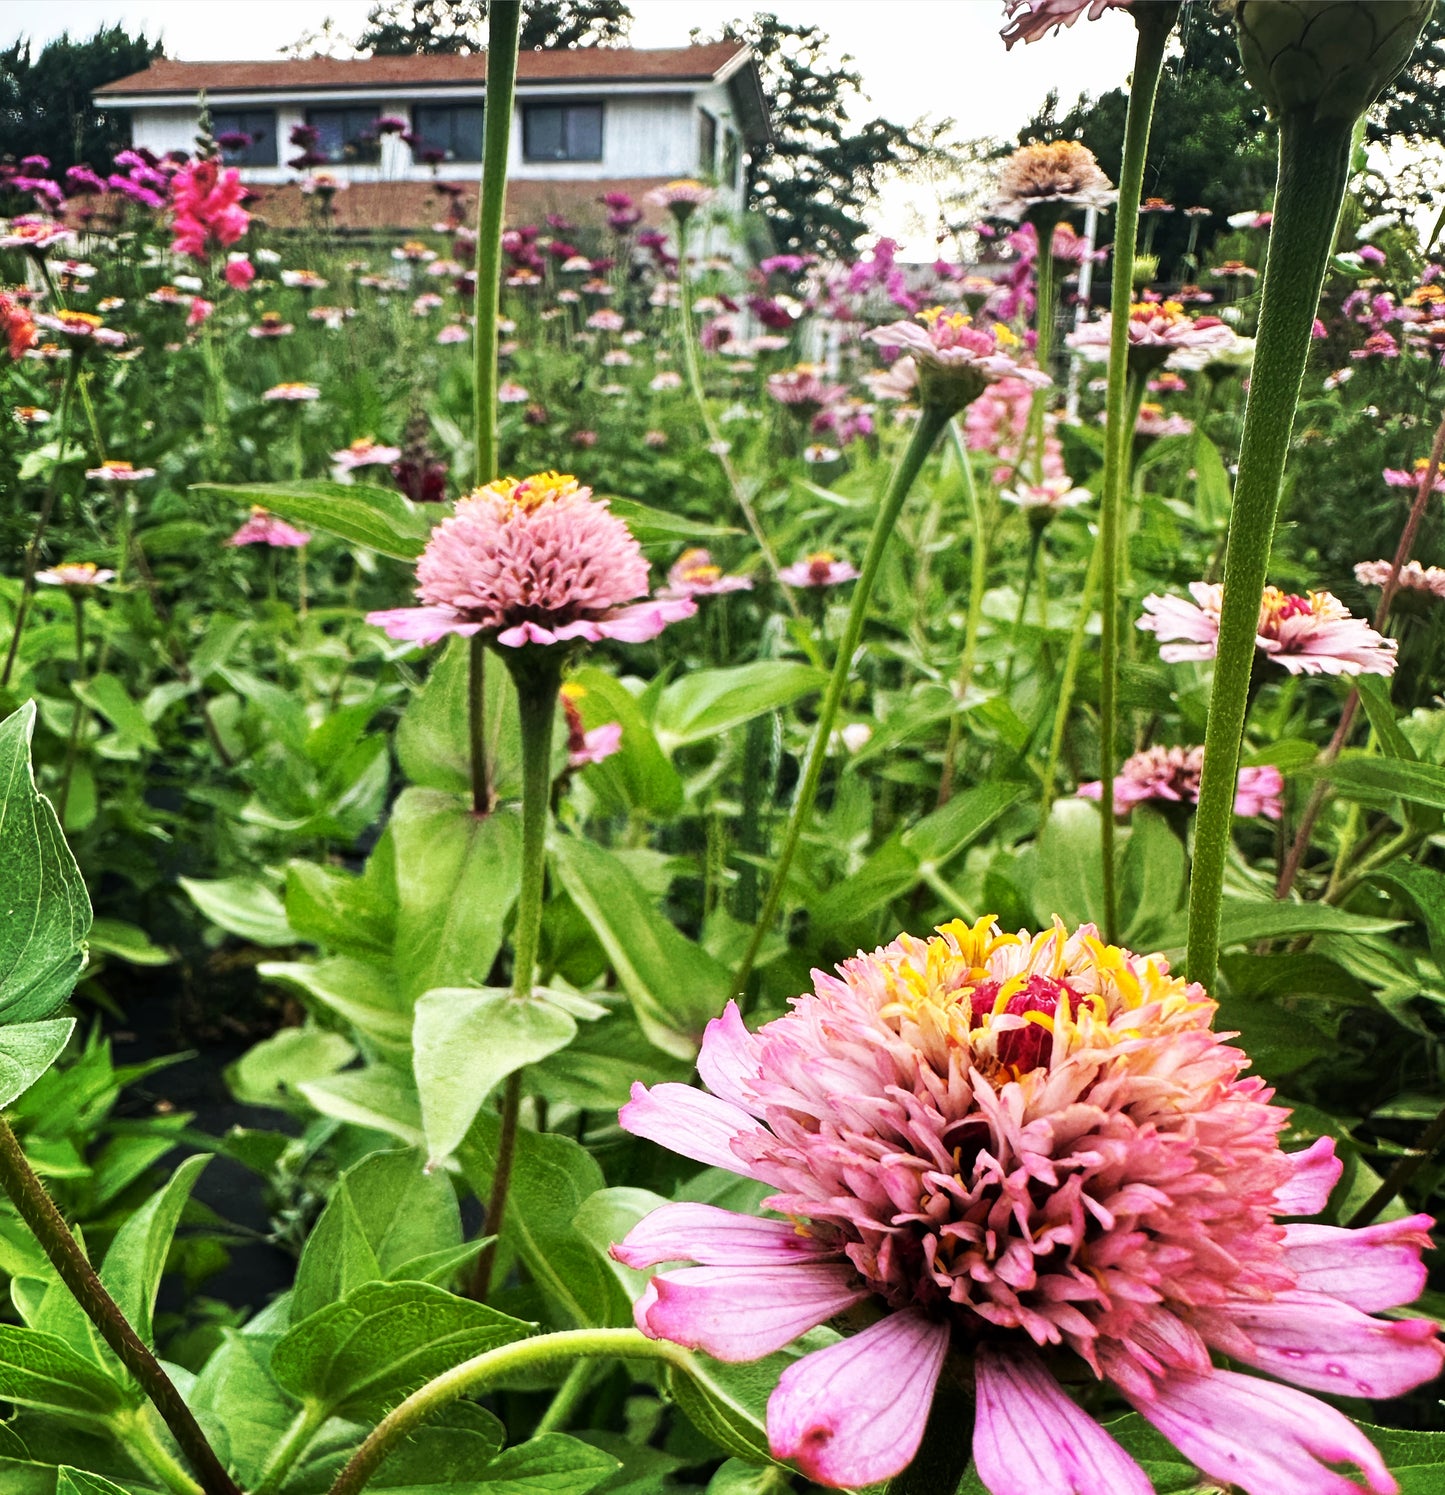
636, 866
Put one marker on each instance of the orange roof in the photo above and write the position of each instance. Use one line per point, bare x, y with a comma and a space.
578, 65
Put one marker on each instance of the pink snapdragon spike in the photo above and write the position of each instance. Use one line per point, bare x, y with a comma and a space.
264, 528
75, 574
115, 471
365, 452
693, 574
1028, 20
206, 208
1310, 635
538, 561
1172, 774
994, 1143
1429, 580
820, 569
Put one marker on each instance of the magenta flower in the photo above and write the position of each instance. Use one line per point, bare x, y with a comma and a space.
983, 1144
821, 569
206, 208
955, 360
533, 562
264, 528
1041, 15
1397, 477
694, 575
1172, 774
1310, 635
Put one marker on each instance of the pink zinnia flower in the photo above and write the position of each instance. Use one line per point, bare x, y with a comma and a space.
802, 388
533, 562
115, 471
1063, 172
38, 235
1398, 478
1413, 576
956, 361
271, 325
820, 569
82, 329
1173, 774
453, 332
1310, 635
206, 208
1052, 496
693, 574
200, 311
366, 453
264, 528
1377, 345
1041, 15
681, 198
584, 747
1155, 421
988, 1143
1157, 329
75, 574
509, 393
606, 321
292, 392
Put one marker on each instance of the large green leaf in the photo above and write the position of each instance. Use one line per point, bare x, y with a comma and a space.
1423, 888
242, 906
27, 1050
133, 735
378, 1096
77, 1482
46, 910
361, 992
266, 1073
244, 1412
340, 911
705, 703
658, 526
674, 985
378, 518
444, 1456
1374, 780
551, 1464
42, 1370
639, 775
359, 1357
465, 1043
1245, 920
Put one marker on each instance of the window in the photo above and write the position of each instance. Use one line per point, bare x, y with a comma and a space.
732, 158
455, 129
346, 135
706, 143
247, 137
562, 132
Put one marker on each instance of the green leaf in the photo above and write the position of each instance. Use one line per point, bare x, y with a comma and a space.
552, 1464
42, 895
359, 1357
133, 733
1070, 878
263, 1074
76, 1482
378, 518
1416, 1459
457, 877
361, 992
444, 1456
242, 906
1211, 483
433, 738
127, 943
651, 526
1372, 779
378, 1097
240, 1406
705, 703
639, 775
551, 1177
340, 911
1375, 698
1246, 920
605, 1218
1152, 876
137, 1256
27, 1050
42, 1370
1423, 889
385, 1212
674, 985
465, 1043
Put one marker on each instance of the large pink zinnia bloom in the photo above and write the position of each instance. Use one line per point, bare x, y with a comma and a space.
538, 561
956, 361
1157, 330
1310, 635
1039, 16
991, 1146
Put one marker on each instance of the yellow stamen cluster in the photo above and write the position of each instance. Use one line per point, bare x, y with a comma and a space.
1149, 311
932, 316
527, 495
80, 319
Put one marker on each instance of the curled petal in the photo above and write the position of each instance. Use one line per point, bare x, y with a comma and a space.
644, 620
854, 1413
715, 1237
729, 1057
1030, 1439
528, 633
422, 625
688, 1122
1316, 1171
744, 1313
1266, 1438
1371, 1269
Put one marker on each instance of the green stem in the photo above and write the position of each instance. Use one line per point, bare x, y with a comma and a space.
538, 677
1071, 674
38, 1211
140, 1438
292, 1445
1031, 562
1404, 1170
475, 1375
569, 1393
484, 799
504, 21
1045, 220
931, 422
977, 579
1314, 168
77, 721
1155, 22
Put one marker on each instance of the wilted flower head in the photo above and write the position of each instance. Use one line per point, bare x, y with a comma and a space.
365, 452
264, 528
538, 561
693, 574
820, 569
1172, 774
1310, 635
1039, 16
1413, 576
114, 471
990, 1143
1064, 172
75, 574
955, 360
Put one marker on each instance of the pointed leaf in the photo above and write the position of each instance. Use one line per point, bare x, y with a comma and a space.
705, 703
27, 1050
378, 518
42, 1370
242, 906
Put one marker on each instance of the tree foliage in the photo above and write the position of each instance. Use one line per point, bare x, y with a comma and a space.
45, 97
397, 28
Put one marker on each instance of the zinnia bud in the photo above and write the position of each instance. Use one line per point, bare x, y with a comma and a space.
1332, 58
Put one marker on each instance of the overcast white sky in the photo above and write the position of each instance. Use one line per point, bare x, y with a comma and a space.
941, 58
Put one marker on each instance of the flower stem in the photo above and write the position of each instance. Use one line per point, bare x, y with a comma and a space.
292, 1445
484, 798
538, 677
1155, 22
977, 579
1314, 168
72, 746
564, 1403
1404, 1170
1071, 675
931, 422
38, 1211
504, 21
475, 1375
1031, 563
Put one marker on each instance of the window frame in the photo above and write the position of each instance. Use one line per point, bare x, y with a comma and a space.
267, 142
565, 107
732, 158
355, 158
451, 106
708, 139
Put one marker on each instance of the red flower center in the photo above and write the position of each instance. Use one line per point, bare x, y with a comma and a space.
1027, 1047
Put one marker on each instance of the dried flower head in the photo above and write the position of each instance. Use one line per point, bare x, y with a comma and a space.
1064, 172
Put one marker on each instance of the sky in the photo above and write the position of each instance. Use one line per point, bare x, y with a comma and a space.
936, 58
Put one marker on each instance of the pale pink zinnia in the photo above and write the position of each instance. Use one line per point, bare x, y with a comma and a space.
1052, 496
681, 198
1040, 16
1310, 635
533, 562
366, 453
1172, 774
820, 569
981, 1145
292, 392
115, 471
264, 528
75, 574
1398, 477
1413, 576
693, 574
1157, 329
955, 360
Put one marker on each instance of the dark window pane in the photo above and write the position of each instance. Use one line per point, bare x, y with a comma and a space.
706, 143
346, 135
584, 132
247, 137
455, 129
542, 133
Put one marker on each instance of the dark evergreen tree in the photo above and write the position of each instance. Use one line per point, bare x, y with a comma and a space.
405, 27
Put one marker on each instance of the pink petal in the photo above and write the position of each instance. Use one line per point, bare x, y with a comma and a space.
1316, 1171
1030, 1439
714, 1237
527, 633
422, 625
1317, 1341
1266, 1438
854, 1414
644, 620
728, 1058
744, 1313
1374, 1268
689, 1122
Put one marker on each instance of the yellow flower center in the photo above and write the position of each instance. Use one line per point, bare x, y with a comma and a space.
527, 495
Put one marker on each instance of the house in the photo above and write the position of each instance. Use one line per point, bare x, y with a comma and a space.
588, 121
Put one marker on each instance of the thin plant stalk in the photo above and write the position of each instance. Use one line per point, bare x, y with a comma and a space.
1404, 1170
38, 1211
77, 721
1314, 169
931, 422
1031, 564
1071, 674
977, 579
484, 798
1155, 24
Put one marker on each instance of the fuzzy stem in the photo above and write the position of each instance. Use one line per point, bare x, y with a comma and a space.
475, 1375
293, 1444
38, 1211
977, 579
564, 1403
1155, 22
1071, 675
1314, 168
931, 422
504, 21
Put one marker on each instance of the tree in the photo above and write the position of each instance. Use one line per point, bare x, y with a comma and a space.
45, 99
821, 172
398, 28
